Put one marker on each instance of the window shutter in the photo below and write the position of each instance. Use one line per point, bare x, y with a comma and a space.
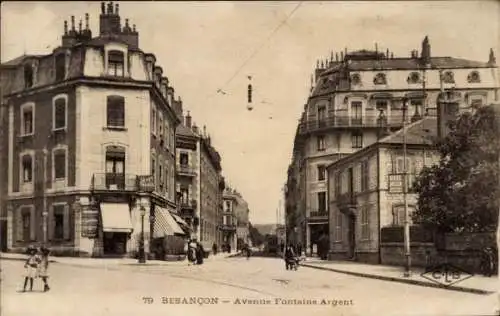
51, 222
32, 224
66, 223
19, 224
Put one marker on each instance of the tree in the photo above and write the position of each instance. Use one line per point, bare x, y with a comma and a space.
255, 236
460, 193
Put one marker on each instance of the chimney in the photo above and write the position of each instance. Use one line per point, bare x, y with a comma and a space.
492, 61
187, 120
195, 129
426, 52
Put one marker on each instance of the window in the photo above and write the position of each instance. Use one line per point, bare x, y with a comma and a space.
322, 202
380, 79
184, 159
153, 169
115, 111
357, 139
321, 113
476, 103
365, 228
448, 77
321, 173
337, 183
398, 215
413, 78
59, 164
60, 67
59, 221
381, 105
321, 142
115, 167
116, 61
356, 113
355, 79
400, 168
28, 76
27, 168
59, 114
365, 173
25, 224
160, 176
338, 227
473, 77
153, 121
27, 120
166, 179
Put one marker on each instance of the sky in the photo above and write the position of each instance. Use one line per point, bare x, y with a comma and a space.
206, 46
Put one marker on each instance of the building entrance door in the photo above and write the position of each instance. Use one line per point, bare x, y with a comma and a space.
115, 244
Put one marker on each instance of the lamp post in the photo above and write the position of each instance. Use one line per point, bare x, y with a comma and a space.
142, 256
407, 272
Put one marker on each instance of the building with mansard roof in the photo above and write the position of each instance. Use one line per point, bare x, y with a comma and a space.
352, 95
90, 136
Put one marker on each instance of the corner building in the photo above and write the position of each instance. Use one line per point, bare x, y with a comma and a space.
91, 143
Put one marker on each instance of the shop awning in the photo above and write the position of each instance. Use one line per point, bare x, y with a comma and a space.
165, 224
116, 218
182, 223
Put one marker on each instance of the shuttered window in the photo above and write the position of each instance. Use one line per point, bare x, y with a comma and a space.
60, 113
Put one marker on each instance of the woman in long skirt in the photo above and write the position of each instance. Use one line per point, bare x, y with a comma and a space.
43, 267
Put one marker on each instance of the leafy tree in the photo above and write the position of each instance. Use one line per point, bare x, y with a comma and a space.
460, 193
256, 236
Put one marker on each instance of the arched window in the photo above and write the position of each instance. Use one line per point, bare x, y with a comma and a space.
380, 78
28, 76
59, 113
473, 77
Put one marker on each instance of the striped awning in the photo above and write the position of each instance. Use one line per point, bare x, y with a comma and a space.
165, 224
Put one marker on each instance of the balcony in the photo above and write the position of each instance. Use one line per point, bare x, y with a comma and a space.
186, 170
396, 181
345, 121
114, 182
318, 214
188, 204
227, 228
187, 213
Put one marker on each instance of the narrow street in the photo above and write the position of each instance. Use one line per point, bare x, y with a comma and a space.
222, 287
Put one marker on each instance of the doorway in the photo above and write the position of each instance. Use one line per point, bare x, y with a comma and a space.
115, 244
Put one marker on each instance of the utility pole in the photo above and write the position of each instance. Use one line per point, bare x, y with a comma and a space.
405, 199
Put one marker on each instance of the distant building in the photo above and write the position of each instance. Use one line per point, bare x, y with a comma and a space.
353, 95
235, 219
90, 135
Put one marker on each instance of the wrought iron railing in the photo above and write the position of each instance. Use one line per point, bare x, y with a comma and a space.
350, 121
185, 169
114, 181
321, 213
186, 203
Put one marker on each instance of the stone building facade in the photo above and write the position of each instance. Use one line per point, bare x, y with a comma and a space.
91, 143
356, 92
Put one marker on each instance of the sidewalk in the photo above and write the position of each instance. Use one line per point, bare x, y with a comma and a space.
476, 284
107, 262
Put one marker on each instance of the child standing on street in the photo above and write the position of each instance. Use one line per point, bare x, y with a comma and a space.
43, 267
30, 267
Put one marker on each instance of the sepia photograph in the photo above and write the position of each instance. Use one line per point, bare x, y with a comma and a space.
189, 158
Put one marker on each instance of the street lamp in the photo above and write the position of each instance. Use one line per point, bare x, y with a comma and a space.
142, 256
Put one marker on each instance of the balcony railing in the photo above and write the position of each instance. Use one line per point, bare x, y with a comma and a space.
114, 182
318, 214
227, 227
396, 181
190, 204
186, 170
346, 200
349, 121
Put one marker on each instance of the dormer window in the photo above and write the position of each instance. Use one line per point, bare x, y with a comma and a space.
60, 67
355, 79
380, 79
473, 77
116, 62
448, 77
414, 77
28, 76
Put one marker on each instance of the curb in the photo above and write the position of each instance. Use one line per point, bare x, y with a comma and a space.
23, 259
413, 282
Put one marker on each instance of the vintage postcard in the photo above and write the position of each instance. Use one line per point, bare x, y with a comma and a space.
188, 158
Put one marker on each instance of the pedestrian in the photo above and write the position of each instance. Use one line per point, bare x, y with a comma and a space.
199, 254
43, 267
289, 257
30, 267
228, 248
192, 251
214, 248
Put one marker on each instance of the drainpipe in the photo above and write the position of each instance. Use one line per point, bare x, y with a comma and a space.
379, 208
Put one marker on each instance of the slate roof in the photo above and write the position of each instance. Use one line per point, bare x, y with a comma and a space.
417, 133
185, 131
19, 60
